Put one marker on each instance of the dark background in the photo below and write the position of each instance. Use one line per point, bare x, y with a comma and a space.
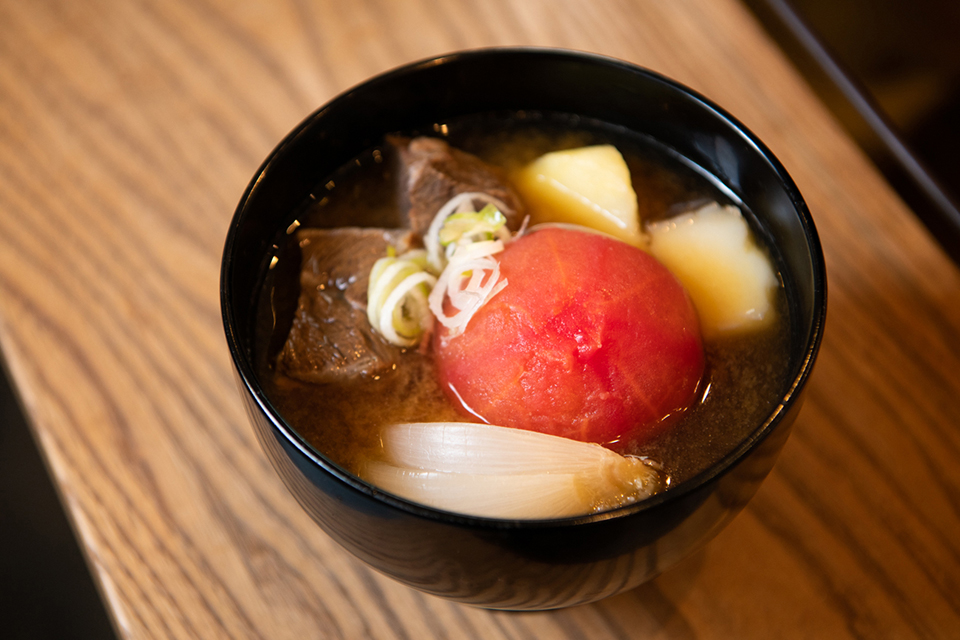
888, 69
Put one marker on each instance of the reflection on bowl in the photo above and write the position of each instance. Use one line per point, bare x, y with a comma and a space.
503, 563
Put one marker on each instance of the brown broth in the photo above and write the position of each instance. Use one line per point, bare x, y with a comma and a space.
744, 375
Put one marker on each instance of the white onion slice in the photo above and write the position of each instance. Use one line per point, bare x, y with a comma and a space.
501, 472
381, 279
408, 293
459, 203
467, 447
508, 497
397, 298
467, 293
475, 250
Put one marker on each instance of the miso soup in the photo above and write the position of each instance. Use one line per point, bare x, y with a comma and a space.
743, 377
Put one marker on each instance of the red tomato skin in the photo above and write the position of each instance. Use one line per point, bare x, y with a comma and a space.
591, 339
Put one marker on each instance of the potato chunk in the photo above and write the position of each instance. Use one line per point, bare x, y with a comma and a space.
589, 186
728, 277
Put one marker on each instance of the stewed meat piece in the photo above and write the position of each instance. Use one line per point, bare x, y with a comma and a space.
432, 172
330, 339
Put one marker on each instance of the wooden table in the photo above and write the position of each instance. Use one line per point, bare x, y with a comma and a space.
128, 131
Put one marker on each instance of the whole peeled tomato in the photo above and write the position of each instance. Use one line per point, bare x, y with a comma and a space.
591, 339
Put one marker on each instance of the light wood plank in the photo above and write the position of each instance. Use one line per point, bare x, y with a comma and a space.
127, 134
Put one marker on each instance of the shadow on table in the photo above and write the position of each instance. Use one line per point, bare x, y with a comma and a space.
46, 590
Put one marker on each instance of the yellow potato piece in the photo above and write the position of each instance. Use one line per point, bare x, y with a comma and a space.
589, 186
713, 253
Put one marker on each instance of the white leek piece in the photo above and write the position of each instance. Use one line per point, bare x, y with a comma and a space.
462, 203
500, 472
404, 295
397, 297
471, 277
461, 243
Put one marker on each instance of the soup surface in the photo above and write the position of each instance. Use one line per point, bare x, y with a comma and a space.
744, 375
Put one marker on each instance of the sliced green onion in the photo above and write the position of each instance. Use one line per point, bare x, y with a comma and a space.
397, 298
406, 313
472, 226
402, 296
460, 203
470, 279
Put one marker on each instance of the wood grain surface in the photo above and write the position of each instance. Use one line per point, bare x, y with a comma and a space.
128, 131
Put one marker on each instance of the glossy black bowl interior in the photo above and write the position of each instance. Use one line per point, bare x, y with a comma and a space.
521, 564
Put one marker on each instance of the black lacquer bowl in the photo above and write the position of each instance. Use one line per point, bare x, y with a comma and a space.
500, 563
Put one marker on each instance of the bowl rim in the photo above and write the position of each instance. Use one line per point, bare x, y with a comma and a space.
246, 370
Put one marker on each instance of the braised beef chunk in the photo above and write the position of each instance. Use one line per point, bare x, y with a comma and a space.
342, 257
433, 172
330, 339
